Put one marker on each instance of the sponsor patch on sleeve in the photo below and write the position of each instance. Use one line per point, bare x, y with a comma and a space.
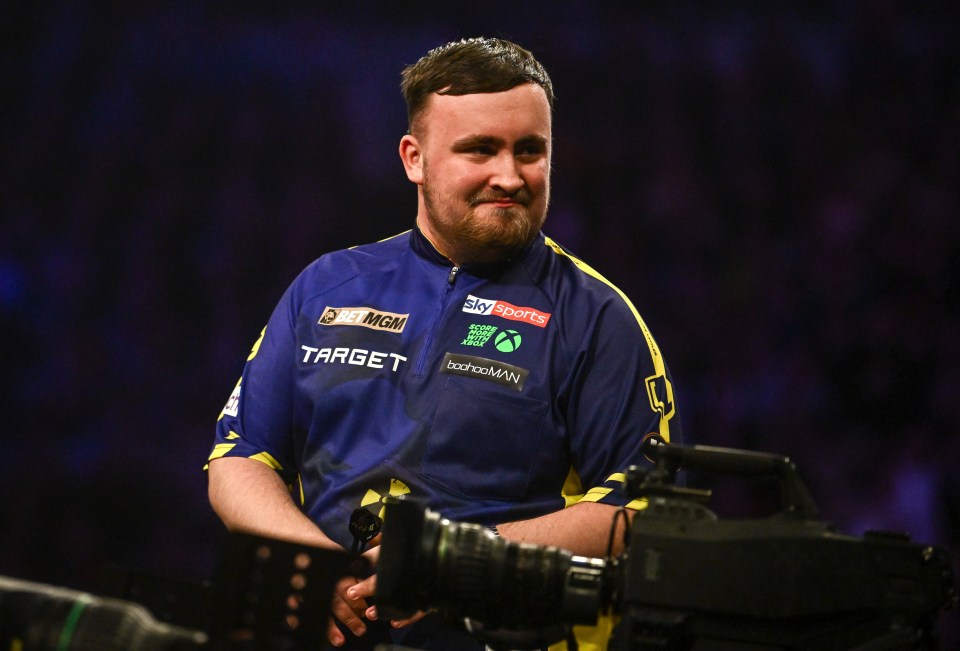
233, 402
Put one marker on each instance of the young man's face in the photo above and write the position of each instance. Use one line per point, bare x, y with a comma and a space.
482, 162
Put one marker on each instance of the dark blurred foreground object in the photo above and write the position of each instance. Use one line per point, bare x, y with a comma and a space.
267, 594
687, 579
34, 616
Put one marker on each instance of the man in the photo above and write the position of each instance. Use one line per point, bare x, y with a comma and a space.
471, 362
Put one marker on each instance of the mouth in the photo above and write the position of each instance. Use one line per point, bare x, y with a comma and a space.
500, 202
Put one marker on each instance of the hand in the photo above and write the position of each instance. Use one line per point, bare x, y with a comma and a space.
350, 604
348, 609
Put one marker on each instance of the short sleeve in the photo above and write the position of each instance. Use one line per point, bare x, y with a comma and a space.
621, 401
256, 421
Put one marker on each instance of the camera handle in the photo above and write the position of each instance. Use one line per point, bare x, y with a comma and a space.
797, 501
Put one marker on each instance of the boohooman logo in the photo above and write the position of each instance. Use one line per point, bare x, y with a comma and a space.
485, 369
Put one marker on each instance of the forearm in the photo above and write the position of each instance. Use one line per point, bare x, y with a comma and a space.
583, 529
249, 496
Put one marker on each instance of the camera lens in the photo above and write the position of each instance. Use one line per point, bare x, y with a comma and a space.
466, 571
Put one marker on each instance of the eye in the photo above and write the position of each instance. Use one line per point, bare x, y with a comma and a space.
478, 146
530, 150
529, 153
482, 150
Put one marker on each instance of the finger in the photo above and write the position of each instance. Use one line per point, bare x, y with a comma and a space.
349, 614
363, 589
347, 590
334, 635
400, 623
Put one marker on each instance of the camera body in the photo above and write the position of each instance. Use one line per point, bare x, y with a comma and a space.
776, 584
686, 580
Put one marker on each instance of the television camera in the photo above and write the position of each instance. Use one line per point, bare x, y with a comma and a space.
686, 578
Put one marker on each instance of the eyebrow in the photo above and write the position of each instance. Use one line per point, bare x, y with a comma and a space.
478, 139
474, 140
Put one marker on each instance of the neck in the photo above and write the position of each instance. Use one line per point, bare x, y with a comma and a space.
433, 240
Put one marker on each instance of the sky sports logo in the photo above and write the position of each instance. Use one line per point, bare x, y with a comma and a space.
477, 305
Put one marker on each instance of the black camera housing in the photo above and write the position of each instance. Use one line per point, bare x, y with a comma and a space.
687, 580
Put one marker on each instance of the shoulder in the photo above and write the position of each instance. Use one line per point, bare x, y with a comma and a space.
587, 303
335, 268
568, 279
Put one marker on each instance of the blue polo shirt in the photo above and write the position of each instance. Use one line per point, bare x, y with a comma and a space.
492, 392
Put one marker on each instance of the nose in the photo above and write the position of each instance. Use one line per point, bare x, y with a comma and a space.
506, 173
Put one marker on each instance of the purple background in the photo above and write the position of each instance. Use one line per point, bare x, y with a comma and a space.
774, 185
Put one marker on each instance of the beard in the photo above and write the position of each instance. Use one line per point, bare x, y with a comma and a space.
479, 231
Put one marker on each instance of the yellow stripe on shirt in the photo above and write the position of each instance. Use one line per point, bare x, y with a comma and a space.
658, 366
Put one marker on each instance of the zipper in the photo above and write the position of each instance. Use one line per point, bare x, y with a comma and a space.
444, 301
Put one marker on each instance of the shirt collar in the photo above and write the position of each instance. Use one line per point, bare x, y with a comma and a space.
425, 249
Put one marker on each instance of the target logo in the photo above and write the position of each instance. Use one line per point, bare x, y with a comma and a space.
507, 341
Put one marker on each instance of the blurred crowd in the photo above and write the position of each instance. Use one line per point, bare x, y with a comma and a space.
774, 185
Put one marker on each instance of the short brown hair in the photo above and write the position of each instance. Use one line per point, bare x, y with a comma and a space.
471, 65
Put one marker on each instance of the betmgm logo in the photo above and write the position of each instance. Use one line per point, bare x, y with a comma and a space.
329, 316
660, 394
363, 316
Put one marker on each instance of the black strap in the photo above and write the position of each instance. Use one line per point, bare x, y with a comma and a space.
364, 526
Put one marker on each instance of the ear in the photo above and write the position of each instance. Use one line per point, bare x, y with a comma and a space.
412, 157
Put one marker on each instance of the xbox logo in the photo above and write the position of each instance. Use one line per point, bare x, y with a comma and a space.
507, 341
